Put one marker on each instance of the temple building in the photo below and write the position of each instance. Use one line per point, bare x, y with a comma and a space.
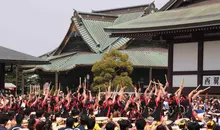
191, 29
86, 42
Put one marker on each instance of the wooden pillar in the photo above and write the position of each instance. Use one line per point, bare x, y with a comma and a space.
2, 76
56, 79
16, 81
170, 67
22, 83
200, 59
150, 74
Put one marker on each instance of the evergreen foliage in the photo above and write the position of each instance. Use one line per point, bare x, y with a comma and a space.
115, 67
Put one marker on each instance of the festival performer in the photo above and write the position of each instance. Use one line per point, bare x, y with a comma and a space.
146, 101
174, 104
186, 103
108, 103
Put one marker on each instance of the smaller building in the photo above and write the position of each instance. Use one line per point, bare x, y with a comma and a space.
10, 57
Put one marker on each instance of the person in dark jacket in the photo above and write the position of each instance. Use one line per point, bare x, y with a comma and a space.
19, 119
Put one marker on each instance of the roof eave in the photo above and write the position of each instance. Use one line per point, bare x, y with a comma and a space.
85, 65
24, 62
116, 32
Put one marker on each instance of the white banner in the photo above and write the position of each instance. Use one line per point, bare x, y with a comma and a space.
211, 80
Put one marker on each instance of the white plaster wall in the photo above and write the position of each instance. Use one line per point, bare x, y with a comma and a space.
185, 57
211, 59
189, 80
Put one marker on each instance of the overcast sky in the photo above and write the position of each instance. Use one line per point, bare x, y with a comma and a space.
38, 26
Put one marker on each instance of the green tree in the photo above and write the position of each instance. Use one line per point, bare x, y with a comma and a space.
115, 67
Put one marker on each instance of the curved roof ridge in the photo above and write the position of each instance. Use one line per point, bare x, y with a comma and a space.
122, 8
98, 14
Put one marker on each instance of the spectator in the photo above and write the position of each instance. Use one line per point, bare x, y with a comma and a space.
91, 123
140, 124
124, 124
3, 121
83, 122
69, 124
31, 124
19, 119
110, 126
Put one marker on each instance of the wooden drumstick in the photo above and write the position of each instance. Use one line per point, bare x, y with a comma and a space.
206, 88
182, 83
198, 87
166, 78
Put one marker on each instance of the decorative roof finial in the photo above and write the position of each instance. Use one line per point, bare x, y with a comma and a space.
150, 9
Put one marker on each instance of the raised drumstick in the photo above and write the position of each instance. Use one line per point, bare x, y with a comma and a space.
166, 78
182, 83
206, 89
198, 87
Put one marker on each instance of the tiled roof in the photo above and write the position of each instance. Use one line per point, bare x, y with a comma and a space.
95, 28
92, 31
98, 14
127, 17
68, 62
90, 26
15, 57
148, 57
142, 57
86, 36
183, 18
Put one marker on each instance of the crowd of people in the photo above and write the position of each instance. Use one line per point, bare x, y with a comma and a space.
155, 109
